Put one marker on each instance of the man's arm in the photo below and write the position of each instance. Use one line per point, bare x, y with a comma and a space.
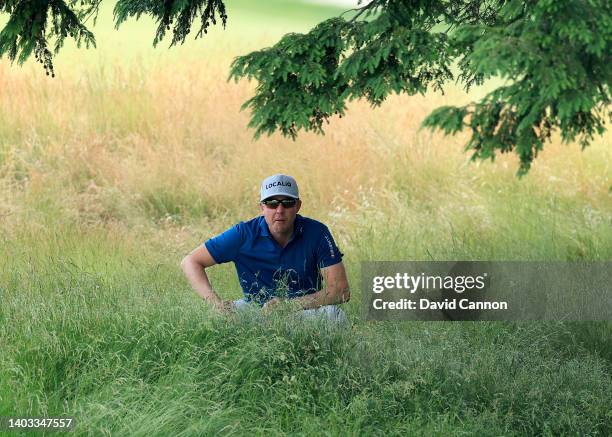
194, 266
335, 291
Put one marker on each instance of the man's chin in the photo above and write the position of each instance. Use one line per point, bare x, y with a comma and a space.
281, 226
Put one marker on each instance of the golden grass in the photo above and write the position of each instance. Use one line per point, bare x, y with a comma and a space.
159, 141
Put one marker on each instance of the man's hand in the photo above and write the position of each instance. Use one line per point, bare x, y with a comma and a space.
223, 306
336, 290
269, 305
280, 305
227, 306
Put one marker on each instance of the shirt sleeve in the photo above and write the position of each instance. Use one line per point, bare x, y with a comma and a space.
328, 253
225, 246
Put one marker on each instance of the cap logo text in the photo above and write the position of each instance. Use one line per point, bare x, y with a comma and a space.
278, 184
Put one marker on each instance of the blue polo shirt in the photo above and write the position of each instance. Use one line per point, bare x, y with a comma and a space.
265, 269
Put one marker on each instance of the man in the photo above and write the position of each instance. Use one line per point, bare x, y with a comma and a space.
282, 258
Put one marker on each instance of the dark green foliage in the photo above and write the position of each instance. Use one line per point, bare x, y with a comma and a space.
305, 79
32, 24
179, 13
553, 56
298, 85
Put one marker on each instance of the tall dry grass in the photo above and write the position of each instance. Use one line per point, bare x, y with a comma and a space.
152, 142
167, 143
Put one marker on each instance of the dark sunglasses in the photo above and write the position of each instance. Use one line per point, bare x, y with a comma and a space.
273, 203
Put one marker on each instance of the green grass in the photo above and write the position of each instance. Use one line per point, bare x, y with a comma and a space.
103, 327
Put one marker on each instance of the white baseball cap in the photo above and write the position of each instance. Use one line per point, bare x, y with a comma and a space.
279, 185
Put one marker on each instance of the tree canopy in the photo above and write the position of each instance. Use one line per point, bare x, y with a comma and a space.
552, 58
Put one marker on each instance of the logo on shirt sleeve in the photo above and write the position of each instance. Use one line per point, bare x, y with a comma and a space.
331, 246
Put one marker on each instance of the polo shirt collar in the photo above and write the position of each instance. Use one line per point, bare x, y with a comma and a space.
298, 227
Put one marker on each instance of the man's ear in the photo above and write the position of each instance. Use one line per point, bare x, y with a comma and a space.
299, 205
261, 207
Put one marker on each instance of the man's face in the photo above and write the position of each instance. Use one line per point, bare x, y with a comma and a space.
280, 220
